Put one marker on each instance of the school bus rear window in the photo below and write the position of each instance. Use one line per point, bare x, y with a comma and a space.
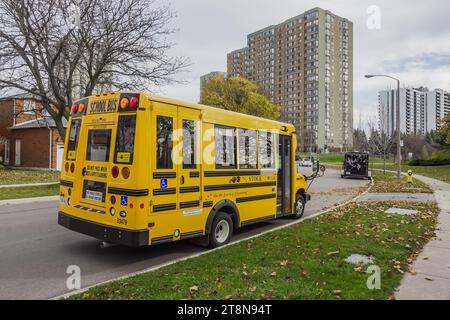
125, 139
73, 139
99, 142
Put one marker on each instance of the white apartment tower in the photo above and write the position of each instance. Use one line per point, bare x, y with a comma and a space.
421, 110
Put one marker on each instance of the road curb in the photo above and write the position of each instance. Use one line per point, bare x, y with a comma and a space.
28, 200
22, 185
154, 268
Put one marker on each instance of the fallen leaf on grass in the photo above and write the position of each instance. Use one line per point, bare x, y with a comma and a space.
332, 253
273, 274
193, 289
284, 263
337, 292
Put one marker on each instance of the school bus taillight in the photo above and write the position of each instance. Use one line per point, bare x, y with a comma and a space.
113, 199
81, 107
115, 172
72, 167
74, 108
134, 102
124, 103
125, 172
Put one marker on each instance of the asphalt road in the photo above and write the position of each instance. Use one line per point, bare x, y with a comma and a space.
35, 251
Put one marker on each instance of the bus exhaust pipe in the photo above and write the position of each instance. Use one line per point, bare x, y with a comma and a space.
104, 245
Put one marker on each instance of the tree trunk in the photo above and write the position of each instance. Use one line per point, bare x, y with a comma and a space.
60, 126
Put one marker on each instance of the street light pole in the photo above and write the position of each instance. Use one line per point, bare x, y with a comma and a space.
399, 150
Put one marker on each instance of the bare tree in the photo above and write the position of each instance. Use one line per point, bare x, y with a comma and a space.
62, 49
380, 142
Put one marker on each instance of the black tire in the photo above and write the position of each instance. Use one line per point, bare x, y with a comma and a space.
299, 200
217, 239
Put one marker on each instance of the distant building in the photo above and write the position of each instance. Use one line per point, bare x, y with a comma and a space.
31, 137
206, 77
305, 65
420, 109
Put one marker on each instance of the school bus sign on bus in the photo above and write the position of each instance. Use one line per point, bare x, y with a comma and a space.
142, 170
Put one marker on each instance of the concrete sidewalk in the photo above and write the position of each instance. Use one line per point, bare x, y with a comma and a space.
432, 267
28, 200
28, 184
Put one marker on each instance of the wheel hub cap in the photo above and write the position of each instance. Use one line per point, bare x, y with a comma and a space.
222, 231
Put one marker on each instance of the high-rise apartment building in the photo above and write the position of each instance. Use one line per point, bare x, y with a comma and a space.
421, 110
206, 77
305, 65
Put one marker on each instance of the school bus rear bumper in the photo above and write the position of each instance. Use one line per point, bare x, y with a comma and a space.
131, 238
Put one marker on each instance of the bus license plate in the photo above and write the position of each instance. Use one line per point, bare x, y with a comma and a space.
94, 195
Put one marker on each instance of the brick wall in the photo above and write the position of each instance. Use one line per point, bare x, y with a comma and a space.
34, 147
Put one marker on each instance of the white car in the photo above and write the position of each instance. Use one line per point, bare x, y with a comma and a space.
307, 162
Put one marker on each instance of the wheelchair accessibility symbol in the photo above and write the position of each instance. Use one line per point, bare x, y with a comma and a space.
163, 184
124, 201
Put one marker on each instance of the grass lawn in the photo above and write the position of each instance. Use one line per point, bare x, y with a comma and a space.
437, 172
303, 261
388, 183
29, 192
14, 176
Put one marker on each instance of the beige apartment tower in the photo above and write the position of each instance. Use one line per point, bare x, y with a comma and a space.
305, 65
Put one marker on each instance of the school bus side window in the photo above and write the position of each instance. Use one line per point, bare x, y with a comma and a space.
189, 144
125, 139
225, 147
266, 150
164, 131
248, 158
73, 139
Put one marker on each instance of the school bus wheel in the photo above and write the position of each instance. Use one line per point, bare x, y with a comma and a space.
299, 207
221, 230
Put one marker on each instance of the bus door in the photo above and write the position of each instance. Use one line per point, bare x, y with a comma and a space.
189, 169
164, 171
284, 175
176, 169
95, 165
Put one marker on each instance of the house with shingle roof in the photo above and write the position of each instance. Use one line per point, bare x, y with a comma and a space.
28, 135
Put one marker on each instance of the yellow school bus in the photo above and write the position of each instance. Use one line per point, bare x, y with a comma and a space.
143, 170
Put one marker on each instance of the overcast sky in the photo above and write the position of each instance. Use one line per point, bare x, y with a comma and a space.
413, 42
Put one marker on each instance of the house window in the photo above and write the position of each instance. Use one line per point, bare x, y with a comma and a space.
29, 106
